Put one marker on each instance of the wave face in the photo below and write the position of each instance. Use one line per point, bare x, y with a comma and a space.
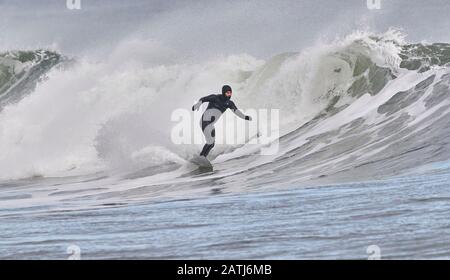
366, 106
21, 70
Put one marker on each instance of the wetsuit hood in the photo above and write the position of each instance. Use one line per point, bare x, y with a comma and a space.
225, 89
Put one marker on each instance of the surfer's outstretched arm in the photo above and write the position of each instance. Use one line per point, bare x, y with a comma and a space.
208, 98
239, 112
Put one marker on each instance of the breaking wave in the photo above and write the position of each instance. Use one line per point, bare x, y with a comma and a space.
365, 106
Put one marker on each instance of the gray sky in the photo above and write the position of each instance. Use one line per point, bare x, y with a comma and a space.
207, 28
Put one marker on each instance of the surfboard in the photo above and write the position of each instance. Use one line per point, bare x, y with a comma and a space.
202, 162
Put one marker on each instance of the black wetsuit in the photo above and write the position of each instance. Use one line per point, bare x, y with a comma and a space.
218, 104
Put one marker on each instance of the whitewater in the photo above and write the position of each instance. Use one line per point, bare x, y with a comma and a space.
86, 155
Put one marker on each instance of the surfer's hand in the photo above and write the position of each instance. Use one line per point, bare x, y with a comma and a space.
248, 118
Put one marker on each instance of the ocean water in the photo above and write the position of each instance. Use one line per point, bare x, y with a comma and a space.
399, 218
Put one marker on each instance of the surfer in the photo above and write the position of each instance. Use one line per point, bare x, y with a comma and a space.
218, 104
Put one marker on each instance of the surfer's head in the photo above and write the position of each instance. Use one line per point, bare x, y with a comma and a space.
227, 91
